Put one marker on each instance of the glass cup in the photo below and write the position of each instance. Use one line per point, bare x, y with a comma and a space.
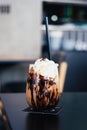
42, 92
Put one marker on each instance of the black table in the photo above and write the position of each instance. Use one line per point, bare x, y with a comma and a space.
73, 115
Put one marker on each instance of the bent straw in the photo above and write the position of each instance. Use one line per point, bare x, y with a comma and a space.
48, 40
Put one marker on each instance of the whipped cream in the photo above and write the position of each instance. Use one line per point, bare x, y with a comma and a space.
45, 67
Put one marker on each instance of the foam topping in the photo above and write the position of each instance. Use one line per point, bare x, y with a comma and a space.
45, 67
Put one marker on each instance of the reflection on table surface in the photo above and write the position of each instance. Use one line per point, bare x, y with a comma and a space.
44, 122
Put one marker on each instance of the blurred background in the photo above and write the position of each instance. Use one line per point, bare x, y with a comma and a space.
23, 40
67, 25
20, 29
68, 41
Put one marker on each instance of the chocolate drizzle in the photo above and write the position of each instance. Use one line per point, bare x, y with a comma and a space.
44, 91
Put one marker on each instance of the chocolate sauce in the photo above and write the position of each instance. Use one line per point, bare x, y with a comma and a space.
46, 91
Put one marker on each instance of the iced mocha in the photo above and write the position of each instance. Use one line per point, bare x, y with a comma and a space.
42, 88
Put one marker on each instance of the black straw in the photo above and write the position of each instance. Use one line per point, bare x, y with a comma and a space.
48, 40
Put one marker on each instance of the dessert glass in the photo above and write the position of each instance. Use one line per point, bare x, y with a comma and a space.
42, 87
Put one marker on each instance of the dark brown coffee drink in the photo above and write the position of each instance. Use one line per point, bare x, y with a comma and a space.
42, 88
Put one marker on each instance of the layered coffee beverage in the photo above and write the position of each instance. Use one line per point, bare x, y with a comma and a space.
42, 87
